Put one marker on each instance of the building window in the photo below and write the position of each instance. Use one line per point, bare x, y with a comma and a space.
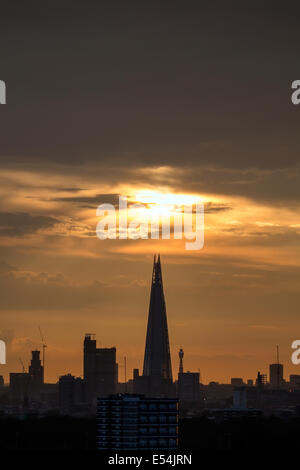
153, 443
172, 419
172, 443
153, 419
162, 443
143, 442
173, 406
172, 430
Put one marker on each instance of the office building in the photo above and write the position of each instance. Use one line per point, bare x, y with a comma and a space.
100, 370
71, 393
19, 387
294, 382
36, 377
36, 370
188, 384
276, 376
261, 380
133, 422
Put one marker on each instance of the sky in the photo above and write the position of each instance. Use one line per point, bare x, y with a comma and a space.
159, 98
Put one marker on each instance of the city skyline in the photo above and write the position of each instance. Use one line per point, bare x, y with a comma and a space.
157, 361
150, 228
151, 103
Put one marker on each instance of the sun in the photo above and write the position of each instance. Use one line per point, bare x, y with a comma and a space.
167, 199
163, 204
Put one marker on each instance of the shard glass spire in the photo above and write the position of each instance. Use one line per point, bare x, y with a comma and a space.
157, 360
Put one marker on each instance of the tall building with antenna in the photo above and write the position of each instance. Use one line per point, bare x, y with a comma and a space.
276, 373
157, 360
36, 376
188, 384
181, 354
36, 370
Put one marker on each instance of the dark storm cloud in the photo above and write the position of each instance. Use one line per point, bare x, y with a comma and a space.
67, 190
100, 93
151, 82
273, 186
211, 207
91, 201
20, 223
113, 199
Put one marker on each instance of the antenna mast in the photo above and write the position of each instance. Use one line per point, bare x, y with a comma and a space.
44, 345
125, 374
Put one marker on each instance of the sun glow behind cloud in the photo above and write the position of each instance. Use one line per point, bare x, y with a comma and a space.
163, 204
160, 198
247, 243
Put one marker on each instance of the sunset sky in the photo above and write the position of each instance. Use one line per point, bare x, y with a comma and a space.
154, 99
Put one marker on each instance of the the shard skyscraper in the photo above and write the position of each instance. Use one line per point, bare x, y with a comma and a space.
157, 360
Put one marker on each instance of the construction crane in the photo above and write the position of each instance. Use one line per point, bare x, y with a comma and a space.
44, 345
125, 373
22, 364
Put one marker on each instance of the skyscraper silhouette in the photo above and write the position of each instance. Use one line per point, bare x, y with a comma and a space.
157, 360
100, 369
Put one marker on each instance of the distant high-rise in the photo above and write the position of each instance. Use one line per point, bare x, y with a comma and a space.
36, 370
36, 377
71, 393
295, 382
188, 384
157, 360
100, 369
18, 387
188, 387
276, 375
261, 380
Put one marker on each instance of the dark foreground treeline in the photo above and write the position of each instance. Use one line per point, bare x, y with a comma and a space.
64, 433
49, 433
240, 434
